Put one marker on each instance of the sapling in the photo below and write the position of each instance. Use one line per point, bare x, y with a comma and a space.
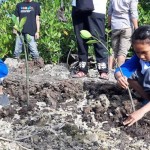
92, 40
19, 27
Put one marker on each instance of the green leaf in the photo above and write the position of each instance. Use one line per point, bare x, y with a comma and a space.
22, 22
15, 20
85, 34
92, 42
16, 27
28, 38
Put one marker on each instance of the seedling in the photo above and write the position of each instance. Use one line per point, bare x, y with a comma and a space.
18, 26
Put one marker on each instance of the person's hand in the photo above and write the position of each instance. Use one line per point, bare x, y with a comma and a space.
134, 117
122, 82
37, 36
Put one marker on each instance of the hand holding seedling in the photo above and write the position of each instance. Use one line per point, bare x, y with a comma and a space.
122, 80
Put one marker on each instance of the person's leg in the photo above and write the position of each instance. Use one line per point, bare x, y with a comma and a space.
18, 47
115, 40
97, 28
136, 81
110, 62
146, 81
79, 24
138, 88
124, 46
32, 46
121, 59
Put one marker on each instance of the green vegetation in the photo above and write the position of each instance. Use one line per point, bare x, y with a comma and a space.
56, 37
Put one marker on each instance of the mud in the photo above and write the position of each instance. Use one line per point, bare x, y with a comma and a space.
65, 113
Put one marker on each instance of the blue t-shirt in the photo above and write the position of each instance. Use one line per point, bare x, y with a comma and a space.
130, 66
29, 10
3, 69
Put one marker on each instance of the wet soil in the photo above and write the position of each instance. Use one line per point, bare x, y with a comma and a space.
65, 113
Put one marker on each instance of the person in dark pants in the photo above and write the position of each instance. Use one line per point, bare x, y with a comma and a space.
94, 22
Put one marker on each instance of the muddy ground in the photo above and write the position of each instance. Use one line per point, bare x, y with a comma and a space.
65, 113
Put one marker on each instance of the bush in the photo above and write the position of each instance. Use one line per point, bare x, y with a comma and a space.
57, 37
144, 13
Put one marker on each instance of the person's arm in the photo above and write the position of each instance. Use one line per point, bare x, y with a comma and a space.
38, 11
38, 27
128, 67
123, 72
134, 13
137, 115
135, 23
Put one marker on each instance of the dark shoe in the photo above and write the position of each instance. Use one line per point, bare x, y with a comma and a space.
79, 74
104, 76
4, 100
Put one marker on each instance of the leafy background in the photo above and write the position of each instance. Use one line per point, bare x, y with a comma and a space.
56, 37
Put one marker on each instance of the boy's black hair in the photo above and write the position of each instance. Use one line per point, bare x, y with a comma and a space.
141, 34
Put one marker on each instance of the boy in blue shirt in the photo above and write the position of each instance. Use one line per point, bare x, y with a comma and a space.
136, 72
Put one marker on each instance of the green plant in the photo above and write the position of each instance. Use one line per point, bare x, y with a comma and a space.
19, 27
57, 37
144, 13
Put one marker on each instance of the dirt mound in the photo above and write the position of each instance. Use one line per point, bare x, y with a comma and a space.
65, 113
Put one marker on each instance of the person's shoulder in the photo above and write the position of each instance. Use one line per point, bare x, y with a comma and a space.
36, 3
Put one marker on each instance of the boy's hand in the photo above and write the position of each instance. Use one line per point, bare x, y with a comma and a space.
134, 117
122, 81
37, 36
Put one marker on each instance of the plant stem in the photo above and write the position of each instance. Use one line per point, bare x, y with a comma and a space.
27, 68
68, 58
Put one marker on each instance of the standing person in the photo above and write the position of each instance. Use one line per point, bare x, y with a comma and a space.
123, 19
136, 72
31, 29
94, 22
